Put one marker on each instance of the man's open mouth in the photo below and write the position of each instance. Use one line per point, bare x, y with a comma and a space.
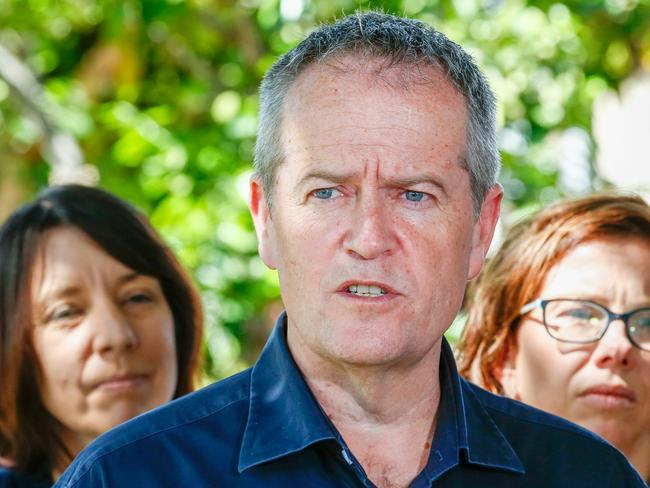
366, 290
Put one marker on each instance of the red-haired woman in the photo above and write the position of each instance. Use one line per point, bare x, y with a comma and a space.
560, 319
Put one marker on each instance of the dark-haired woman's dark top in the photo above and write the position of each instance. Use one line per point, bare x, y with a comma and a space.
10, 478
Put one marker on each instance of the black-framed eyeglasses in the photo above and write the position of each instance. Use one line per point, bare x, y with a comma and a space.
584, 321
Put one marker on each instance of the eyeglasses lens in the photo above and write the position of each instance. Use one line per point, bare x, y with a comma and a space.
575, 320
640, 328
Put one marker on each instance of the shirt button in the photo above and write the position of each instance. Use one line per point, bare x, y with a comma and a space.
438, 455
346, 456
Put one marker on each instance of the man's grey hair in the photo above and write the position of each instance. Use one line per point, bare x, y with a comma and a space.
401, 42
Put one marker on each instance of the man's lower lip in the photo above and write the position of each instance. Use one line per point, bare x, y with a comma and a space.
605, 401
367, 298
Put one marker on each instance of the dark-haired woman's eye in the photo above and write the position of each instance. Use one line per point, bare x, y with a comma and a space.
138, 298
64, 314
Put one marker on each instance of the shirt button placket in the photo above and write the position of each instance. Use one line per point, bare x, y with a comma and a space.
361, 476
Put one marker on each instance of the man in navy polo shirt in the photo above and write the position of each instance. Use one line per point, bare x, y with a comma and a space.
375, 198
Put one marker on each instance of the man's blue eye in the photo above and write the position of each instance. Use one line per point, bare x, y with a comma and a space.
414, 196
324, 193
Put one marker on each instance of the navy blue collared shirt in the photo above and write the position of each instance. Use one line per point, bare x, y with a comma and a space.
10, 478
264, 428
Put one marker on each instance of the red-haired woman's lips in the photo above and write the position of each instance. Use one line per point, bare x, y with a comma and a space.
609, 396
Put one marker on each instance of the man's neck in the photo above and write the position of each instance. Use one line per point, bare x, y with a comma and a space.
385, 413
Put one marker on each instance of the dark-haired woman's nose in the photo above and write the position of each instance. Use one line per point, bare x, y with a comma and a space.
112, 331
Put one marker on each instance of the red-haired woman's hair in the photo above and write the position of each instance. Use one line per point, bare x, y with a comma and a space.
516, 274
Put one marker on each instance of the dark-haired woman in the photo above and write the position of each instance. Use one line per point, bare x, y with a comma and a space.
98, 323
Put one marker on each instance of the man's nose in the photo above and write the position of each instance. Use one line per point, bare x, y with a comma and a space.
112, 329
371, 233
614, 348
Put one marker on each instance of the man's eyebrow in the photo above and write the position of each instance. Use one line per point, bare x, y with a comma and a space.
418, 180
325, 175
339, 177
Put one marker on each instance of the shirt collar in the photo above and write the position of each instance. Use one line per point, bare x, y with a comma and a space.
464, 426
284, 417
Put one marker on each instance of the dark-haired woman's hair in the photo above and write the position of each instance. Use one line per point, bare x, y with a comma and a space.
517, 272
28, 432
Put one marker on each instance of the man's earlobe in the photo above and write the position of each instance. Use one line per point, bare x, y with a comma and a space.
484, 229
263, 224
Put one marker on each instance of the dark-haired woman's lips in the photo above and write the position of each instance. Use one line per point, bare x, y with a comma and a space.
121, 383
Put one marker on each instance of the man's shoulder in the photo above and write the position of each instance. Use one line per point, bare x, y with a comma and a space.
219, 410
552, 448
7, 477
10, 478
508, 411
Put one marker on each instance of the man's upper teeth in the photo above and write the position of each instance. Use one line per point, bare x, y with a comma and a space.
366, 290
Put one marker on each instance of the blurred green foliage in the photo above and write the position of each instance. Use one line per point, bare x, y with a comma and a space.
161, 96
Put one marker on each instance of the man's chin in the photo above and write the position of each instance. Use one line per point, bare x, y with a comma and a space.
373, 349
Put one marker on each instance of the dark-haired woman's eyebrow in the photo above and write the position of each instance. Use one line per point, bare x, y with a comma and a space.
65, 291
42, 303
130, 276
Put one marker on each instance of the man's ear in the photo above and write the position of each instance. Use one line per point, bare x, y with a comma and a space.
484, 229
263, 224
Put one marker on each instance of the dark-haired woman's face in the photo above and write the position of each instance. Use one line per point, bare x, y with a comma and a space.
103, 335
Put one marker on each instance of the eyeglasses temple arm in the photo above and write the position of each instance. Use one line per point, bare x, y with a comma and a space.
530, 306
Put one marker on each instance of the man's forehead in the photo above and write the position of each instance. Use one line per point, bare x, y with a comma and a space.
340, 115
329, 99
404, 172
325, 102
401, 75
